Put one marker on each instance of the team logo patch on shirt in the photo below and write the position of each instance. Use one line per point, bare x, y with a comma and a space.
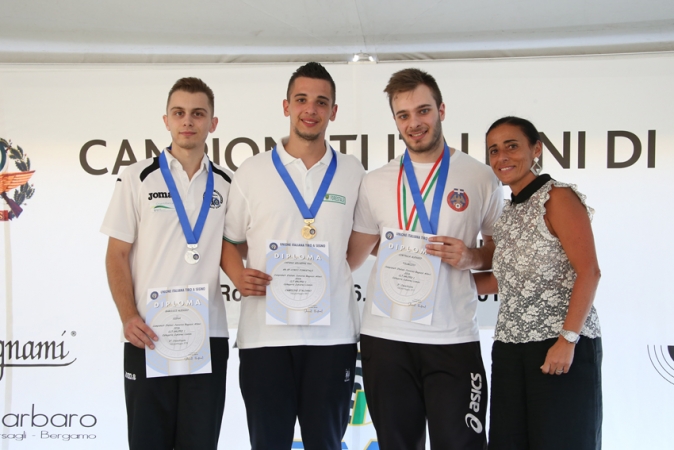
334, 198
458, 200
216, 201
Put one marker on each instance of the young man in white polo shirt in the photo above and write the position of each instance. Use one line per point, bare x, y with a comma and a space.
165, 223
422, 363
297, 361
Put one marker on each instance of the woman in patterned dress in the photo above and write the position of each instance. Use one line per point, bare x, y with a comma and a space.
546, 358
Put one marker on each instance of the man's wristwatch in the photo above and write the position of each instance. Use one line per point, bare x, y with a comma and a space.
571, 336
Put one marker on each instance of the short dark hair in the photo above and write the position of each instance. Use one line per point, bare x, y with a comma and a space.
527, 127
312, 70
407, 80
193, 85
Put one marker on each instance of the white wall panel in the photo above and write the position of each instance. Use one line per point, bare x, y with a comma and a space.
53, 280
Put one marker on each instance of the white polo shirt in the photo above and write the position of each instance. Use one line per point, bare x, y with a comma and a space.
142, 213
261, 208
454, 314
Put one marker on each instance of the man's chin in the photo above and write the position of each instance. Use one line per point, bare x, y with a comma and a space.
418, 148
188, 146
306, 136
423, 147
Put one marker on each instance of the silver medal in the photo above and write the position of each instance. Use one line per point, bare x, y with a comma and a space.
192, 255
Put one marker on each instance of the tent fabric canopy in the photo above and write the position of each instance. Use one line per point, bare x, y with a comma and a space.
265, 31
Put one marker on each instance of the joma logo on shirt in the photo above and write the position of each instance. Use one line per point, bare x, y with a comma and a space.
159, 195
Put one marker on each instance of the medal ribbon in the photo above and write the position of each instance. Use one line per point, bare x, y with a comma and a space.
425, 190
428, 226
191, 235
307, 212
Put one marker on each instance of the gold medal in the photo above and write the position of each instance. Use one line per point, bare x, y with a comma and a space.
308, 232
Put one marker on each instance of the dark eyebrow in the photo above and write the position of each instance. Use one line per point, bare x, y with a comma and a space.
180, 108
508, 141
427, 105
302, 94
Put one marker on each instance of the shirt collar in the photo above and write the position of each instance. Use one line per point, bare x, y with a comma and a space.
286, 158
173, 163
530, 189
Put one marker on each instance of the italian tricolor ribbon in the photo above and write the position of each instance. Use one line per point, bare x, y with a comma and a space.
439, 170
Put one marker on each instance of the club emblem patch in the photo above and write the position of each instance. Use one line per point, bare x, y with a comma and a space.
458, 200
217, 200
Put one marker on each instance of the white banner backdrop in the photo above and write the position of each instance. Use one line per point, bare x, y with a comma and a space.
608, 128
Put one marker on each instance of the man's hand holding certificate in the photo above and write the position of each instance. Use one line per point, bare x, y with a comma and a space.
179, 317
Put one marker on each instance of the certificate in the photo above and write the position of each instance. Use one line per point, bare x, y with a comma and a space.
299, 293
179, 317
406, 278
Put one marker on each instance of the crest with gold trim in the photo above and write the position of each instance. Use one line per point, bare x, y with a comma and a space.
14, 180
458, 200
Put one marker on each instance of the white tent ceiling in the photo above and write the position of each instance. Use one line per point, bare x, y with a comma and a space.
324, 30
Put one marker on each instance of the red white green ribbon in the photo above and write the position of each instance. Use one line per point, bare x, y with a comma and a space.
406, 221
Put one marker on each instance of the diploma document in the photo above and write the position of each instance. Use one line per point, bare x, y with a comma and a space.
179, 317
299, 293
406, 277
